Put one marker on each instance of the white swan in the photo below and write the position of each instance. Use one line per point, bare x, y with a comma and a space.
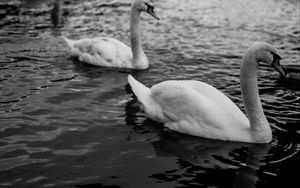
109, 52
199, 109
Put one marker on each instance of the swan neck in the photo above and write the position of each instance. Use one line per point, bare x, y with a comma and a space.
249, 86
135, 36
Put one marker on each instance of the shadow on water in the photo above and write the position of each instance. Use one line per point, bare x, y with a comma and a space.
92, 71
203, 161
290, 84
67, 124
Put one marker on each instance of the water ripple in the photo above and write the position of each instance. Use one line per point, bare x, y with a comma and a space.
64, 123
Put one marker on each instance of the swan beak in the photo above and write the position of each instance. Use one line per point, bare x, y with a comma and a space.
150, 10
277, 66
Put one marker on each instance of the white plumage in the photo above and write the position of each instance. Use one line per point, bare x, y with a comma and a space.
192, 107
109, 52
101, 51
199, 109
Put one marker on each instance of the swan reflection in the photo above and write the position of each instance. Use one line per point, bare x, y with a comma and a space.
201, 158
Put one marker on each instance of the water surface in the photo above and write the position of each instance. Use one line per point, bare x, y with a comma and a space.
67, 124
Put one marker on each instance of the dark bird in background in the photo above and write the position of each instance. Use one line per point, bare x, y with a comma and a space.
292, 71
56, 13
288, 72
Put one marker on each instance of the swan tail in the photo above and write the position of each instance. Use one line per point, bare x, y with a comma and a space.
69, 42
142, 92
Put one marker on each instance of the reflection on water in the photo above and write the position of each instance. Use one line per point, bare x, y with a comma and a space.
67, 124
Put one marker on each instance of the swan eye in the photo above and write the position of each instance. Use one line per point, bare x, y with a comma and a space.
149, 7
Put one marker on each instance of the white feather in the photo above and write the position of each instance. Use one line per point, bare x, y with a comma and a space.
192, 107
199, 109
109, 52
101, 51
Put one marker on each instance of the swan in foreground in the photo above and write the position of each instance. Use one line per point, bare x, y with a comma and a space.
109, 52
199, 109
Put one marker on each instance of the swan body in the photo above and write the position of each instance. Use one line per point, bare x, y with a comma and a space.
199, 109
102, 51
194, 108
110, 52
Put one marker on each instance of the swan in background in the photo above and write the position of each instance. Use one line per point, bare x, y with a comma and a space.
199, 109
109, 52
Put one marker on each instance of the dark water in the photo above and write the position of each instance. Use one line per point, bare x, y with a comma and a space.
67, 124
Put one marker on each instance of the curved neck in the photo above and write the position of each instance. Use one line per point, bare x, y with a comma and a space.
136, 47
260, 128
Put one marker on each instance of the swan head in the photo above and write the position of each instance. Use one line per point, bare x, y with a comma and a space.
145, 6
266, 53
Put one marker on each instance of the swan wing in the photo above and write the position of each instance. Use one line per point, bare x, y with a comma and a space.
102, 51
118, 49
144, 95
219, 98
198, 109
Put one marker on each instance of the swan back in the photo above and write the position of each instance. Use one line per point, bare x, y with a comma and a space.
102, 51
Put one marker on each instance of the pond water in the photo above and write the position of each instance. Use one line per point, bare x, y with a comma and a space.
67, 124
